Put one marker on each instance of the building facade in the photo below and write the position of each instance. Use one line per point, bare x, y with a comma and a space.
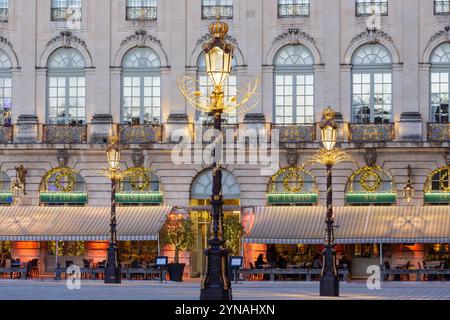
74, 72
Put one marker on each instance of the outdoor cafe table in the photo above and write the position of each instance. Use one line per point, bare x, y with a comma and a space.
20, 270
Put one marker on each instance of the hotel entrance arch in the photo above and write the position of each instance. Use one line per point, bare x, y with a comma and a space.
200, 201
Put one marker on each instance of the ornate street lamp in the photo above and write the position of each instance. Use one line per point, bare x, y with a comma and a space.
112, 270
216, 284
329, 156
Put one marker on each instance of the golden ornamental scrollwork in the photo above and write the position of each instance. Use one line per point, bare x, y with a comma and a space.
440, 175
63, 178
370, 179
139, 178
293, 180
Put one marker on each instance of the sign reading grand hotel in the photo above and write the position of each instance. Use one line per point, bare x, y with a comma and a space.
63, 197
139, 198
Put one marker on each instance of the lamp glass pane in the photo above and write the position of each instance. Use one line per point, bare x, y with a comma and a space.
218, 65
113, 158
329, 137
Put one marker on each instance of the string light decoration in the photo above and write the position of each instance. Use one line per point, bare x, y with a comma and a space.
63, 178
438, 180
371, 179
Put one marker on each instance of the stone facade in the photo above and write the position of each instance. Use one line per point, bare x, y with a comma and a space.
332, 32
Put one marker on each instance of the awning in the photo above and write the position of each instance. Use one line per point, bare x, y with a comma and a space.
394, 224
80, 223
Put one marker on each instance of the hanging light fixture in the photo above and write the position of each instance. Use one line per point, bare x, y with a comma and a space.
113, 153
329, 129
408, 190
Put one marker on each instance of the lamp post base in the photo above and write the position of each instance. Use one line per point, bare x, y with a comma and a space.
329, 279
216, 284
113, 273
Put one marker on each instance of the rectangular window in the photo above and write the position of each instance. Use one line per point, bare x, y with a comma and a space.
442, 7
66, 10
366, 8
66, 100
294, 90
141, 99
293, 8
372, 98
141, 10
439, 96
212, 8
4, 12
205, 87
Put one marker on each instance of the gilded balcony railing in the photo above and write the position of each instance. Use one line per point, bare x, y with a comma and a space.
6, 134
364, 9
293, 10
227, 131
442, 7
142, 13
64, 134
65, 14
296, 133
371, 132
438, 132
211, 12
140, 134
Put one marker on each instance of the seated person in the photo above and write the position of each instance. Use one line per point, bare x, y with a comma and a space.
260, 262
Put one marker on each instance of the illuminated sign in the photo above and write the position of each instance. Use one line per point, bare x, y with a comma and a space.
292, 198
63, 197
138, 198
437, 197
6, 197
371, 198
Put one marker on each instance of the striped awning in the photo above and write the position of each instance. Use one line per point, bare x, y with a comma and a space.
80, 223
305, 225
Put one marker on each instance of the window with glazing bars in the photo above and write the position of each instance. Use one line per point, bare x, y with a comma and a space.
64, 10
4, 10
213, 8
440, 83
293, 8
142, 10
369, 7
442, 7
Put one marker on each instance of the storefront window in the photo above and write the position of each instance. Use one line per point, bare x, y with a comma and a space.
138, 251
66, 248
5, 247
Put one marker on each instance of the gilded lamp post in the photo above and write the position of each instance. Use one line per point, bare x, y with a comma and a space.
112, 270
329, 156
216, 284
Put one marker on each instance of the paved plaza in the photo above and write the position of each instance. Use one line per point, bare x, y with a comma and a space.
151, 290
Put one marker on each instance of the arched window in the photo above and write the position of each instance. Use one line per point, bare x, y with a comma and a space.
141, 87
140, 180
205, 87
372, 84
202, 186
294, 85
66, 87
440, 84
5, 88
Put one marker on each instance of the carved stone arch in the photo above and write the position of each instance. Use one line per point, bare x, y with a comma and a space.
7, 46
372, 36
240, 61
141, 39
66, 40
435, 41
293, 37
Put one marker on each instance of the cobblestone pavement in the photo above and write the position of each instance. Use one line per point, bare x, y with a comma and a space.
152, 290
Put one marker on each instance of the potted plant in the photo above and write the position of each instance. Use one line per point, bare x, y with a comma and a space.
178, 233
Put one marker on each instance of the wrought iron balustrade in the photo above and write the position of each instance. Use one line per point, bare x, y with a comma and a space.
227, 130
142, 13
442, 7
293, 10
211, 12
64, 134
438, 132
4, 14
364, 9
66, 14
140, 134
6, 134
371, 132
296, 133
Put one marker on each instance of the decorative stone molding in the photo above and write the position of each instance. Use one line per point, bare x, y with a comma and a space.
370, 157
63, 157
141, 39
447, 158
66, 39
7, 46
372, 36
437, 39
138, 158
294, 37
292, 157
